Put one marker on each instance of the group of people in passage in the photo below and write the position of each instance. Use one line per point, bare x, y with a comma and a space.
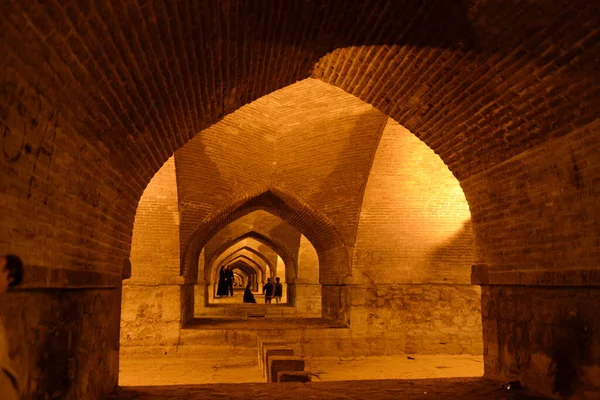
270, 290
225, 286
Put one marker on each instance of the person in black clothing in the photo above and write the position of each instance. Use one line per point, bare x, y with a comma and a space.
230, 280
268, 290
222, 286
248, 296
278, 291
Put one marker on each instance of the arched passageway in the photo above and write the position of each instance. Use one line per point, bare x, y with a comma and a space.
95, 100
410, 247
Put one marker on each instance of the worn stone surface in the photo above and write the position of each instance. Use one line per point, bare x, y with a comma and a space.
231, 363
424, 319
547, 337
151, 315
64, 343
476, 389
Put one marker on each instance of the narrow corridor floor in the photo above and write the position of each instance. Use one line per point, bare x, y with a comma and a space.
457, 388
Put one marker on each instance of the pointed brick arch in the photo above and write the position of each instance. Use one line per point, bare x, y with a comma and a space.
244, 253
110, 91
333, 253
322, 234
278, 247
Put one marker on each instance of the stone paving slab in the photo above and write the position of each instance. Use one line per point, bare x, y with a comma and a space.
426, 389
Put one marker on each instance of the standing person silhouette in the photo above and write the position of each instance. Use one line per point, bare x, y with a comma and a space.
230, 279
278, 291
11, 274
222, 289
268, 290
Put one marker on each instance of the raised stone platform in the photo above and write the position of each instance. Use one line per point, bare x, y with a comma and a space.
451, 389
263, 324
241, 365
248, 311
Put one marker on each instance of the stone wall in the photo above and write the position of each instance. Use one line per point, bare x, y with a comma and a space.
549, 338
126, 89
541, 243
417, 319
413, 254
151, 306
66, 210
306, 290
64, 343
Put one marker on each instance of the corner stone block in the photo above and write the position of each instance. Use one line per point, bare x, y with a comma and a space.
283, 363
274, 351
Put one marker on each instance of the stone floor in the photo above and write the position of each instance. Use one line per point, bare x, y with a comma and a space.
219, 368
451, 389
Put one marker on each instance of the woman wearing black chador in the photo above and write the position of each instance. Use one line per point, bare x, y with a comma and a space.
223, 286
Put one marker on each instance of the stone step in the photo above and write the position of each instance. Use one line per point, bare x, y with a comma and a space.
283, 363
243, 311
269, 351
209, 352
294, 376
219, 337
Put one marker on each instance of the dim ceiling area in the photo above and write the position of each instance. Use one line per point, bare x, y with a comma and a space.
421, 174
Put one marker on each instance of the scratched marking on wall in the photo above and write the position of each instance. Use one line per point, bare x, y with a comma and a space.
28, 129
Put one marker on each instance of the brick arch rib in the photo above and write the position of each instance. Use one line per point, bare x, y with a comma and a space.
330, 247
213, 272
278, 247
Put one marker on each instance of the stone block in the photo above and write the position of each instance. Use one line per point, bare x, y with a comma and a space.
274, 351
293, 376
283, 363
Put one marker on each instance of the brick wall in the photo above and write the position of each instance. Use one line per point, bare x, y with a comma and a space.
536, 227
413, 254
261, 223
334, 179
249, 247
229, 160
150, 306
414, 224
67, 211
128, 88
306, 288
538, 212
155, 241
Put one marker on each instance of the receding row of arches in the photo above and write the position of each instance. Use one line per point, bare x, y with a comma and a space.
386, 214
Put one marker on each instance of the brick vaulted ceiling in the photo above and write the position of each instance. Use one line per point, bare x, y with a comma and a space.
96, 95
479, 81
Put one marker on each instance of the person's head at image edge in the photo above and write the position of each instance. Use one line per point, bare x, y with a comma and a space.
11, 272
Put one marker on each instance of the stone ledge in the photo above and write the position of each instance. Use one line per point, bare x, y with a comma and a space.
294, 376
